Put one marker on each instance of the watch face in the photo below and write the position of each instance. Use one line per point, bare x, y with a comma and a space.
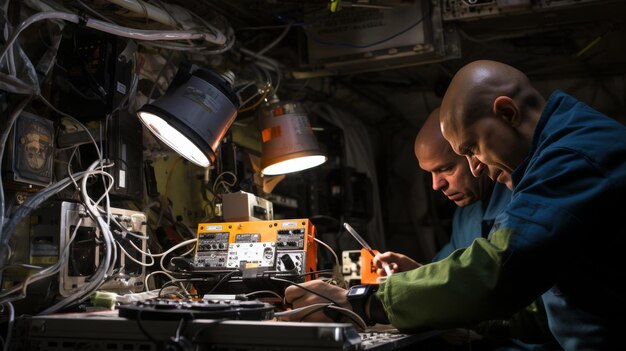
357, 290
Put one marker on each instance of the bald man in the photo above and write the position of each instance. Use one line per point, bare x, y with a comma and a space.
479, 201
450, 173
560, 238
477, 207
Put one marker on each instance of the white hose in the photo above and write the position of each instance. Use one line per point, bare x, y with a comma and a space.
137, 34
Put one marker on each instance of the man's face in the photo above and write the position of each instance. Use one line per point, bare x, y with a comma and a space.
450, 175
490, 145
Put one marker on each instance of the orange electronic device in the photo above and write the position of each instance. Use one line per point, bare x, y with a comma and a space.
282, 248
368, 269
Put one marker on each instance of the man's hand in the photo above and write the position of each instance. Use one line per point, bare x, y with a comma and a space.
397, 262
298, 297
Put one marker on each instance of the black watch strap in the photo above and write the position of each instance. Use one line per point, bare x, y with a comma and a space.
358, 295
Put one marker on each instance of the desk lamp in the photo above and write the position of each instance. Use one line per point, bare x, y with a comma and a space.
288, 143
194, 113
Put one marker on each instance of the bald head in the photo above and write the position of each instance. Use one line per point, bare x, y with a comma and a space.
429, 138
477, 85
450, 172
489, 111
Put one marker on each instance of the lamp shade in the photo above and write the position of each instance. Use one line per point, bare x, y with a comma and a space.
193, 115
288, 143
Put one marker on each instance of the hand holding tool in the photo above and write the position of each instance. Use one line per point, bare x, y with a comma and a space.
366, 246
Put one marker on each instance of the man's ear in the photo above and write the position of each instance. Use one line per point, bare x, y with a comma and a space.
506, 108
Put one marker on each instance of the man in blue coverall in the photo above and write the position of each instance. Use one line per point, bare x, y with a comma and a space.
560, 238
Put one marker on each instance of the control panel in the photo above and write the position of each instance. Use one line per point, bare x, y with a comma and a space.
283, 246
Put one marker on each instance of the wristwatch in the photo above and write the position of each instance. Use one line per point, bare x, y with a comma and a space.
358, 296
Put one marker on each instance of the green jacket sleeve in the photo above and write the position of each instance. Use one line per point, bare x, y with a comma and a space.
459, 291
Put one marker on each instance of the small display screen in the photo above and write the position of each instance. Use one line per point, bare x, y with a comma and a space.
357, 290
248, 238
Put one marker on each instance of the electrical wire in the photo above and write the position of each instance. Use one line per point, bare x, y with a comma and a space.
3, 140
353, 316
93, 12
143, 328
108, 187
276, 41
180, 281
148, 276
170, 250
146, 253
208, 325
48, 271
130, 257
239, 91
225, 185
305, 289
148, 10
127, 232
314, 306
107, 263
256, 104
142, 296
377, 42
76, 123
265, 62
315, 273
137, 34
18, 86
7, 340
267, 66
34, 202
310, 309
185, 23
593, 43
158, 76
221, 281
337, 264
178, 338
264, 292
20, 265
108, 215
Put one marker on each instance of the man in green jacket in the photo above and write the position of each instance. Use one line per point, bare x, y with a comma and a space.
560, 238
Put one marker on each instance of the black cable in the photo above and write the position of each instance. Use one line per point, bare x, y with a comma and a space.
334, 314
159, 74
179, 342
313, 310
305, 289
194, 280
226, 276
322, 271
191, 280
143, 329
168, 283
199, 331
172, 282
271, 274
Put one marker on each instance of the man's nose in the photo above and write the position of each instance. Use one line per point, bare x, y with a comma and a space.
439, 182
475, 165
